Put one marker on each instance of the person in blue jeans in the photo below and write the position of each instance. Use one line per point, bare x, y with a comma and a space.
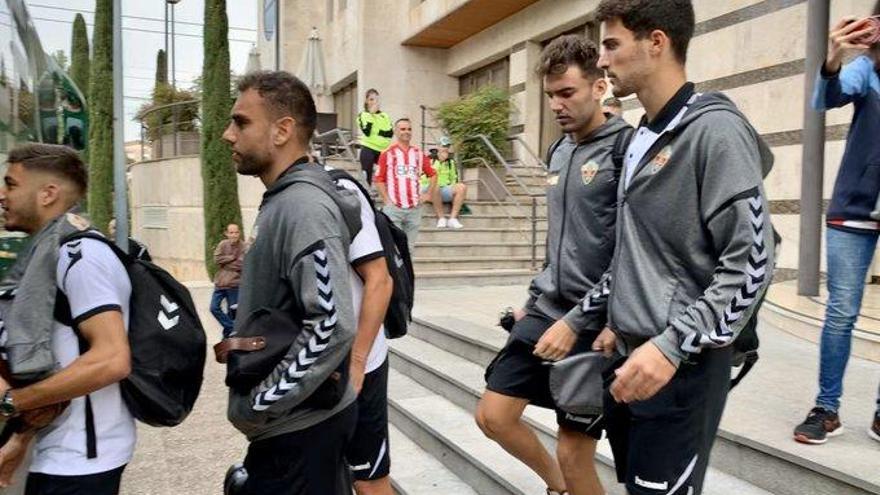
229, 256
851, 231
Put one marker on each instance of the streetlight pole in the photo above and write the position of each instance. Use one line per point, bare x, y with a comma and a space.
809, 252
173, 57
166, 37
120, 185
277, 34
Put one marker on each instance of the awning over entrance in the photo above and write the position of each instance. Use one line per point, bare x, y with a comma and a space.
464, 21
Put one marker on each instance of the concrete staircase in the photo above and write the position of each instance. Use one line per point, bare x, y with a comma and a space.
437, 377
496, 246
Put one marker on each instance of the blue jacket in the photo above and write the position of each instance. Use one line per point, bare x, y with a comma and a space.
858, 181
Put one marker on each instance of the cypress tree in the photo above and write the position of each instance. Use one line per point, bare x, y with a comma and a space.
220, 184
79, 55
101, 118
161, 68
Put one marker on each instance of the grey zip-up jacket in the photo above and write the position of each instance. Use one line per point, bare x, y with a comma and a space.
581, 204
694, 241
300, 251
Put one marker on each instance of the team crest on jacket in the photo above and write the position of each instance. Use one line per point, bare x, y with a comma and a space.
589, 171
661, 159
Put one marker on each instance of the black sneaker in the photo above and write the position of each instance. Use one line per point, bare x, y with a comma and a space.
874, 430
819, 425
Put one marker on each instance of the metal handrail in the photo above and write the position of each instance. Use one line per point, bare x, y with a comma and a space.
497, 154
529, 150
531, 214
142, 117
342, 140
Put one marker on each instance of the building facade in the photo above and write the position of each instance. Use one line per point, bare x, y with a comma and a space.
424, 52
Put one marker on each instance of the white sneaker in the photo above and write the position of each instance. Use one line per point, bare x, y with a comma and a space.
454, 223
441, 223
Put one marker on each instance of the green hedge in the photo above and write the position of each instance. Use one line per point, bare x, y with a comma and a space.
485, 111
220, 184
100, 201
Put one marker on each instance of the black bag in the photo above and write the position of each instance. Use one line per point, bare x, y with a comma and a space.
262, 341
166, 337
397, 256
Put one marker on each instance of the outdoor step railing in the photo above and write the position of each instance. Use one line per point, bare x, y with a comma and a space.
180, 120
531, 213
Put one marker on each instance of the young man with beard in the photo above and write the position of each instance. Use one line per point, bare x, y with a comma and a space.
581, 199
298, 261
693, 255
43, 183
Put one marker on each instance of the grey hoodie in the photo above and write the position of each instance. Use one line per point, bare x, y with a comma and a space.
694, 241
581, 203
300, 252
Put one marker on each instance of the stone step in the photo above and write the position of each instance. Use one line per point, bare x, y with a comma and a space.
415, 472
473, 278
754, 442
449, 433
803, 317
436, 249
488, 221
475, 234
461, 382
488, 264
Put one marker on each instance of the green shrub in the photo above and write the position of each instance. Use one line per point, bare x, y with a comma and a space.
161, 121
219, 179
485, 111
100, 201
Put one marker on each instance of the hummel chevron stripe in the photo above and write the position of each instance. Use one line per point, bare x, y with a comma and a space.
317, 343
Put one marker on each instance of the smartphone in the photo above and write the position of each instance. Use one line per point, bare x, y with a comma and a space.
874, 36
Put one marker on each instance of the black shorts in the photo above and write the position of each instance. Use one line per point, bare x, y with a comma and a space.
662, 445
305, 462
368, 453
516, 372
106, 483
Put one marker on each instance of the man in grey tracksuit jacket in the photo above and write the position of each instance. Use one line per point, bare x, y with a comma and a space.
299, 257
581, 203
694, 254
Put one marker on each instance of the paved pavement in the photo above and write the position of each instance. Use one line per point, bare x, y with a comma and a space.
191, 458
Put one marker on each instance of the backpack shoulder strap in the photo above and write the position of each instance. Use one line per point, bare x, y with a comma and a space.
353, 221
338, 174
552, 149
618, 152
124, 257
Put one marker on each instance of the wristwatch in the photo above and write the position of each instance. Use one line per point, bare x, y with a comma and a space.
7, 407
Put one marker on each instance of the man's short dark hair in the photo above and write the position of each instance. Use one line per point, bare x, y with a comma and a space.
567, 51
402, 119
285, 96
673, 17
54, 159
612, 102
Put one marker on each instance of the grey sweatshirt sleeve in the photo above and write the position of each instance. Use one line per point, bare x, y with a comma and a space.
590, 314
735, 212
318, 277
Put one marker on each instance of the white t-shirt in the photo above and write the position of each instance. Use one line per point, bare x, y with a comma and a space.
94, 281
365, 246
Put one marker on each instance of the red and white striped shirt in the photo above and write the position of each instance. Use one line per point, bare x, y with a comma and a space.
399, 170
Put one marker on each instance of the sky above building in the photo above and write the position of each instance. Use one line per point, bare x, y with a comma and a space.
143, 36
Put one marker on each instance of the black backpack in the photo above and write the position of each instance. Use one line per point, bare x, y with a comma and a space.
746, 344
167, 340
400, 267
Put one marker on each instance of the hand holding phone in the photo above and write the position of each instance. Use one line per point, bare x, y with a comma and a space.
851, 33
